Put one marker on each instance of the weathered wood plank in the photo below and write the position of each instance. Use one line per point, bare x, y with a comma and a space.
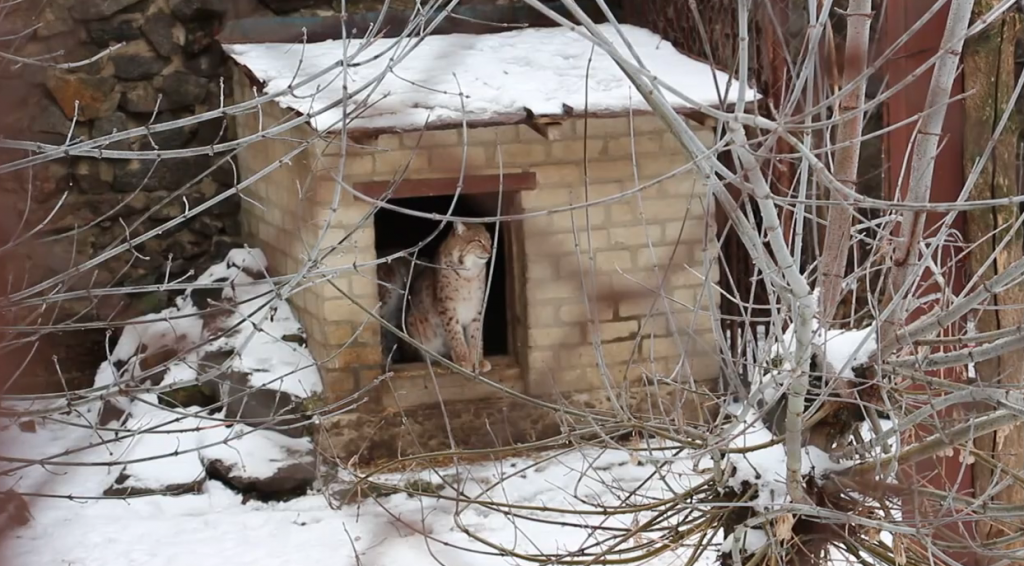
470, 184
989, 72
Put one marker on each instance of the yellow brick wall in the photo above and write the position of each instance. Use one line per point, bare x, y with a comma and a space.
278, 206
628, 237
626, 246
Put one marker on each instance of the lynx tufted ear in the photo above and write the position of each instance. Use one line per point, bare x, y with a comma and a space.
459, 227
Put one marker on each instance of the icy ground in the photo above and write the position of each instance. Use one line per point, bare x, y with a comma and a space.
214, 528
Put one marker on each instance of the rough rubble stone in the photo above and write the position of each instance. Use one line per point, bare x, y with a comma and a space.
252, 406
163, 175
198, 37
81, 209
220, 92
142, 8
189, 245
289, 482
212, 360
95, 96
81, 131
265, 405
92, 176
98, 9
104, 33
257, 407
182, 89
174, 138
211, 132
110, 413
116, 122
188, 396
197, 10
79, 54
50, 119
164, 33
207, 64
14, 510
206, 190
54, 20
137, 66
207, 225
168, 211
226, 174
18, 95
229, 207
224, 244
140, 97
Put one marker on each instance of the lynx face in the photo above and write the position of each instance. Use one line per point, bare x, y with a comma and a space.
468, 247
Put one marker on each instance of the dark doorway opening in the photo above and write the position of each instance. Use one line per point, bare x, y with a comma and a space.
397, 231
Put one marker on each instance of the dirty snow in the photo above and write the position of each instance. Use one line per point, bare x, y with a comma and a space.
751, 540
498, 74
263, 330
843, 350
766, 467
163, 433
207, 528
257, 453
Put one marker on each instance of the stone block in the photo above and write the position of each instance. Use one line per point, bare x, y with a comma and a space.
87, 97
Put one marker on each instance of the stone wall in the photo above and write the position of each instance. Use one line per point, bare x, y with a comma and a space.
167, 67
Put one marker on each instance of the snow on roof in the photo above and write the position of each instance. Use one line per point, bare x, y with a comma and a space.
499, 74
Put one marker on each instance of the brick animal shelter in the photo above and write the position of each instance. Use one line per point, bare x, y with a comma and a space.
544, 125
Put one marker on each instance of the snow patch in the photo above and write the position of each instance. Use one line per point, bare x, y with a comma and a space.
200, 530
174, 327
751, 541
265, 333
843, 350
170, 441
249, 260
256, 336
498, 74
765, 468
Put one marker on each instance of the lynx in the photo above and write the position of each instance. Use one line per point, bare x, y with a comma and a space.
446, 300
393, 278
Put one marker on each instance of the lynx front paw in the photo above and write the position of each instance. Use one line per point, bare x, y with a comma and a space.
464, 363
482, 367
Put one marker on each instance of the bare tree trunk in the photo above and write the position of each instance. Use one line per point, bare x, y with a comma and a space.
840, 217
989, 73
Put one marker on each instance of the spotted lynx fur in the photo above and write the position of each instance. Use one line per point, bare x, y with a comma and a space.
446, 300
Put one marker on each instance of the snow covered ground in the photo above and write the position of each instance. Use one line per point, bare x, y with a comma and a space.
215, 528
193, 452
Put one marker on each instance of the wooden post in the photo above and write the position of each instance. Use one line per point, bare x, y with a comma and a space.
989, 76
